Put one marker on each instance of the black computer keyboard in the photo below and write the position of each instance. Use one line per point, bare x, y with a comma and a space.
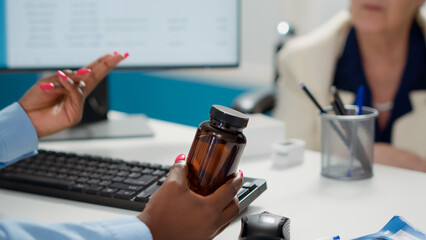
99, 180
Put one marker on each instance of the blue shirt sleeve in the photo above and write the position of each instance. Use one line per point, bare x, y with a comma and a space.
18, 137
126, 228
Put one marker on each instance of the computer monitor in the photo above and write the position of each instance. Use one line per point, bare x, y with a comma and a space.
41, 35
56, 34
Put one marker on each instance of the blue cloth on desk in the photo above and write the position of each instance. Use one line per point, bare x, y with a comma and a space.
125, 228
350, 75
396, 228
18, 139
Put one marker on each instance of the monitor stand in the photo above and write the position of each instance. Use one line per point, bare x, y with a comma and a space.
95, 124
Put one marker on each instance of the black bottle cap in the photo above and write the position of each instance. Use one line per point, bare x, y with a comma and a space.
229, 116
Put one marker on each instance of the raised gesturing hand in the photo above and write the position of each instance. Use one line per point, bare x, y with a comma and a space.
56, 102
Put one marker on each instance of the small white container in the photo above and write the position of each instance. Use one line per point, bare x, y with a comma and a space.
288, 153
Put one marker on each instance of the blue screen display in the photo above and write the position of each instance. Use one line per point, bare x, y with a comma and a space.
2, 33
47, 34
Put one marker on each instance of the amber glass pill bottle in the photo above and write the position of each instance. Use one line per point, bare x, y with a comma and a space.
216, 150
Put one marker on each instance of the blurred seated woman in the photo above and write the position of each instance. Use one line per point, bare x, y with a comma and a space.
377, 44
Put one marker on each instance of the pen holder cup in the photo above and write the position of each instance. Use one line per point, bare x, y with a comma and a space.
347, 143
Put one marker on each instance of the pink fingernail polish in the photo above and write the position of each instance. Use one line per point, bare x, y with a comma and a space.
181, 157
62, 75
126, 55
241, 172
83, 71
65, 77
115, 52
47, 86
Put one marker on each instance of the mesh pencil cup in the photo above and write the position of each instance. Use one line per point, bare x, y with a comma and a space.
347, 143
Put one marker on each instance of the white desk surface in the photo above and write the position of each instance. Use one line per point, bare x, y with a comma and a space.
317, 206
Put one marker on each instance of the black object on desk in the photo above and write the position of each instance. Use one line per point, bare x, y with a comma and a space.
99, 180
265, 226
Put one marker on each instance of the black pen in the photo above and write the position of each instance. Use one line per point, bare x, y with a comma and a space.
340, 106
336, 108
302, 85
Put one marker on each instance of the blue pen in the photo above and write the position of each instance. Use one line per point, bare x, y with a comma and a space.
359, 102
331, 238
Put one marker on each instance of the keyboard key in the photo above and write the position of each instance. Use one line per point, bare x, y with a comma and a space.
82, 179
94, 189
159, 173
124, 194
79, 167
85, 174
134, 175
79, 187
74, 172
102, 165
156, 166
108, 192
124, 167
122, 173
147, 171
126, 187
96, 175
113, 167
92, 163
107, 177
104, 183
136, 169
144, 196
70, 177
90, 169
161, 181
145, 164
112, 172
142, 181
93, 181
101, 170
61, 176
117, 179
82, 162
39, 180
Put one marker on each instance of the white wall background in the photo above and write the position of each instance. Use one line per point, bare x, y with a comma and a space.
308, 14
259, 22
258, 36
